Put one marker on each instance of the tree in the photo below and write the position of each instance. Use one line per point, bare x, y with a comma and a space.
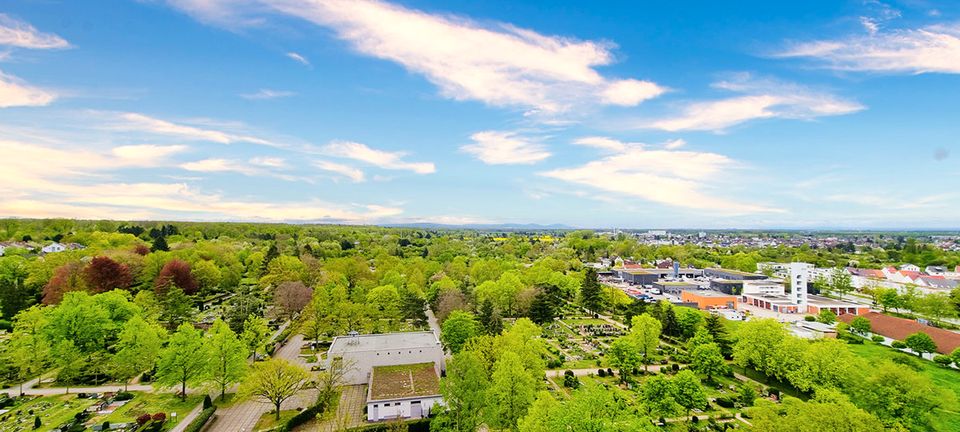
384, 301
29, 345
255, 334
860, 325
707, 360
292, 297
81, 320
625, 355
936, 306
457, 329
274, 381
413, 307
689, 393
591, 293
207, 275
184, 360
159, 244
827, 411
822, 285
104, 274
840, 282
718, 331
490, 319
175, 273
757, 342
898, 396
921, 343
827, 316
645, 330
888, 298
464, 391
660, 397
176, 307
228, 356
66, 278
542, 309
591, 408
138, 346
69, 359
511, 391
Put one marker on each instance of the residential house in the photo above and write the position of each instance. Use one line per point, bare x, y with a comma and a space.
53, 248
910, 268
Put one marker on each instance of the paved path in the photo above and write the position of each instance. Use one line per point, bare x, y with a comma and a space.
28, 389
242, 417
585, 372
349, 411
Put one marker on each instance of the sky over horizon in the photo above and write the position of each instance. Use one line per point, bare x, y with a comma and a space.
825, 114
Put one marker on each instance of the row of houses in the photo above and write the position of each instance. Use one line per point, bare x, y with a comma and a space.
53, 247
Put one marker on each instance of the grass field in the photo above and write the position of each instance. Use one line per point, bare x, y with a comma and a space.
152, 403
268, 421
948, 417
53, 411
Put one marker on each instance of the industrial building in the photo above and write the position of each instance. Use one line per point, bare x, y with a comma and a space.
719, 273
361, 353
675, 287
709, 299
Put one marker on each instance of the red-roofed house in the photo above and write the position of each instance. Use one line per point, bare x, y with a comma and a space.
900, 328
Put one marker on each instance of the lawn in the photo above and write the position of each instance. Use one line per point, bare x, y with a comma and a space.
585, 321
948, 418
152, 403
53, 411
268, 421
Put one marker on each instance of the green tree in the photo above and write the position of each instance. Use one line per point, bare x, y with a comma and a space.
706, 359
828, 411
511, 391
274, 381
921, 343
718, 331
888, 298
80, 320
29, 347
688, 392
758, 340
176, 307
69, 359
625, 355
840, 282
184, 361
138, 346
385, 301
228, 356
660, 397
936, 306
591, 293
459, 327
592, 408
899, 396
255, 334
827, 316
464, 391
490, 318
860, 325
542, 309
645, 331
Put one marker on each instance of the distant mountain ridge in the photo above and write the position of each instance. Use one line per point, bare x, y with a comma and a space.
506, 226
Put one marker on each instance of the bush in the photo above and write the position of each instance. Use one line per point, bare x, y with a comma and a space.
6, 325
609, 371
160, 417
695, 419
908, 361
675, 367
809, 318
122, 396
774, 391
877, 338
421, 425
571, 381
37, 423
898, 345
601, 373
207, 402
143, 419
201, 420
726, 402
306, 415
942, 360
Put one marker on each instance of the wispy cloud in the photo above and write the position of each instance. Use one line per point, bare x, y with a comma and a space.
498, 64
15, 92
931, 49
379, 158
676, 178
759, 99
354, 174
16, 33
147, 124
298, 58
505, 148
146, 154
264, 94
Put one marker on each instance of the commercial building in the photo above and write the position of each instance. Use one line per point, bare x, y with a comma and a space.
727, 274
361, 353
403, 391
675, 287
637, 276
709, 299
764, 287
727, 286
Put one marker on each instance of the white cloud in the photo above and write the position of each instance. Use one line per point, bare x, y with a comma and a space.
264, 94
298, 58
143, 123
218, 165
268, 162
498, 64
347, 171
14, 92
761, 99
146, 154
75, 182
505, 148
604, 143
674, 144
378, 158
932, 49
14, 32
676, 178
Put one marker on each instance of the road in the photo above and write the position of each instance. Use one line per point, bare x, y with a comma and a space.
243, 416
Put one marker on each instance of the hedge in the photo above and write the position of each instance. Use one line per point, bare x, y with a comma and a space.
201, 420
419, 425
304, 416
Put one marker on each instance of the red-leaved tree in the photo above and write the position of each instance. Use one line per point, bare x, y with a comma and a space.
141, 249
66, 278
292, 297
104, 274
175, 273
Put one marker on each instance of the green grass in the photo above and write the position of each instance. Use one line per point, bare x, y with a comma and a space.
268, 421
948, 417
53, 411
152, 403
585, 321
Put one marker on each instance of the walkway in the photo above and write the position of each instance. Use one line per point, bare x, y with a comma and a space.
349, 411
29, 389
584, 372
242, 417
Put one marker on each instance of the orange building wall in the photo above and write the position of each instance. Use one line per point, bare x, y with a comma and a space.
704, 302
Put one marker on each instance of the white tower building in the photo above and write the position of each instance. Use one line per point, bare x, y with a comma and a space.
799, 276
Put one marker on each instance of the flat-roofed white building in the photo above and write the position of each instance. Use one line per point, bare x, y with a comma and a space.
403, 391
361, 353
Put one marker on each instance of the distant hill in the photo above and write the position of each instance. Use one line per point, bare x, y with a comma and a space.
485, 227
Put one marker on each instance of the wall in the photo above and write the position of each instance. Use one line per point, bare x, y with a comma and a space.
383, 412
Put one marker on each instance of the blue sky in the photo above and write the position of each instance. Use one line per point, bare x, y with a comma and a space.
591, 114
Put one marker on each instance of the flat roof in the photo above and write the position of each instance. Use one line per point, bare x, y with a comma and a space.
729, 281
709, 294
734, 272
824, 301
403, 381
675, 283
385, 341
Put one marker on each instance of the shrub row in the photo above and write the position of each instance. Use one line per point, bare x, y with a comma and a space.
304, 416
201, 420
420, 425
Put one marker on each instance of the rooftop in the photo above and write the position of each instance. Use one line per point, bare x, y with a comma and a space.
403, 381
900, 328
386, 341
675, 283
703, 293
